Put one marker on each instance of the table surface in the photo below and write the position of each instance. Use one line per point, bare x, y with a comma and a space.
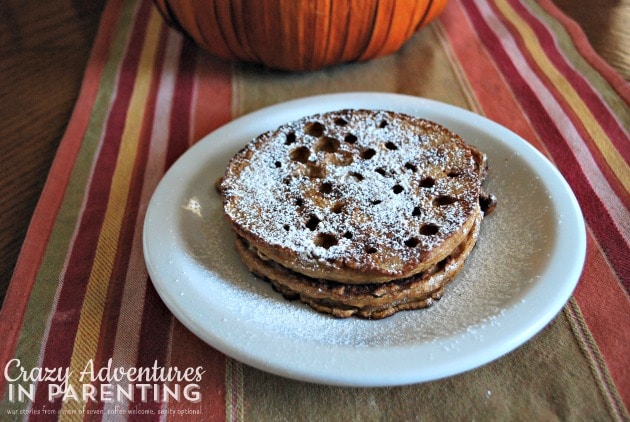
44, 48
110, 107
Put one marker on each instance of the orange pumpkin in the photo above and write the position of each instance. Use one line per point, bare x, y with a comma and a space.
300, 34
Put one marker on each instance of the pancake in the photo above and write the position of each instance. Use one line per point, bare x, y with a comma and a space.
357, 212
371, 301
355, 196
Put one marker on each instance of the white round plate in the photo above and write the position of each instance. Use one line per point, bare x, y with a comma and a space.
524, 268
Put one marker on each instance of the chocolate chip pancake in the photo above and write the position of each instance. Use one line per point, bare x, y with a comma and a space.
355, 197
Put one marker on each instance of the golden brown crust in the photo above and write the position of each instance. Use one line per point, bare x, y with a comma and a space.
373, 301
355, 196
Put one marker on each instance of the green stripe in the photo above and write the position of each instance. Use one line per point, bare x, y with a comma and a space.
41, 301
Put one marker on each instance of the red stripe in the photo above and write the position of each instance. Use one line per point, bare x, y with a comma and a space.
606, 311
153, 343
63, 326
181, 118
154, 338
490, 89
600, 111
190, 352
41, 227
594, 210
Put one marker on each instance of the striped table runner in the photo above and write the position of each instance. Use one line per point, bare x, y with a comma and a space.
81, 301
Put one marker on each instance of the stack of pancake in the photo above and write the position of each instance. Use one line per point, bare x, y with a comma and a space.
357, 212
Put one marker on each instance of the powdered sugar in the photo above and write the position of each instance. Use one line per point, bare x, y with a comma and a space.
353, 187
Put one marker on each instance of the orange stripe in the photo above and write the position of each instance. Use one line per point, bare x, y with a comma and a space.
213, 102
88, 331
491, 90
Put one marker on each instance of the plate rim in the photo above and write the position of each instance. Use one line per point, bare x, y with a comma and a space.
381, 377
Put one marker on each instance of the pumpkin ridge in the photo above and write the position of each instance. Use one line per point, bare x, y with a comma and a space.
206, 33
376, 40
357, 52
426, 14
